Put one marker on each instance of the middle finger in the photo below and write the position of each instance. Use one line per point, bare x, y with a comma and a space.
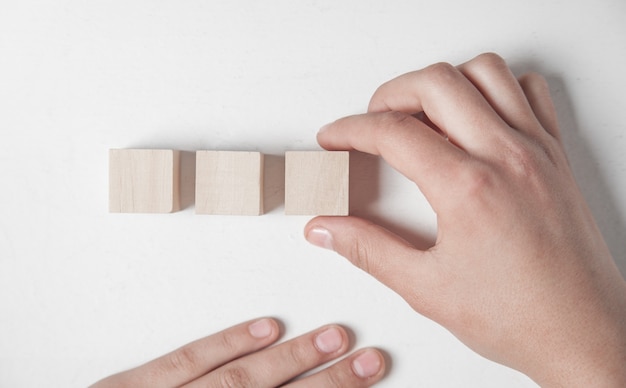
492, 77
449, 100
276, 365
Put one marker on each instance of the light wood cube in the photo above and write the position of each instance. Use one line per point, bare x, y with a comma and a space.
317, 183
229, 183
144, 181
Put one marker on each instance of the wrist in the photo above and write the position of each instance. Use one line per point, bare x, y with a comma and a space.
591, 355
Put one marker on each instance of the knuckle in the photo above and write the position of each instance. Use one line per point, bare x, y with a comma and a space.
529, 162
393, 118
489, 60
234, 377
360, 254
522, 158
389, 125
183, 360
365, 254
337, 378
532, 165
441, 72
301, 353
229, 342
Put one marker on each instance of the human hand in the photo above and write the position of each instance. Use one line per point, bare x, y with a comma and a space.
519, 271
239, 357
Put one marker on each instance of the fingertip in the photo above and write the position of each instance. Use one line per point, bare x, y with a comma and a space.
323, 134
320, 237
374, 249
316, 222
264, 328
324, 128
368, 364
332, 339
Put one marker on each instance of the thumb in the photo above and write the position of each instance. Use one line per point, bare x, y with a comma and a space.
384, 255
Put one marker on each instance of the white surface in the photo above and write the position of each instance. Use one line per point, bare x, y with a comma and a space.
84, 293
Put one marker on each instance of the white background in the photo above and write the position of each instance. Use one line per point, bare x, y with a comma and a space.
85, 293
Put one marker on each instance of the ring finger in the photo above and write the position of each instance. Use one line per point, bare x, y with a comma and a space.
490, 74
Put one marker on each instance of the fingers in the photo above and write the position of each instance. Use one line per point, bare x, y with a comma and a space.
274, 366
537, 92
409, 272
449, 100
235, 358
490, 74
406, 143
480, 106
199, 357
361, 369
474, 104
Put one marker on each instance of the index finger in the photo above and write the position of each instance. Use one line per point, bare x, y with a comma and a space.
406, 143
199, 357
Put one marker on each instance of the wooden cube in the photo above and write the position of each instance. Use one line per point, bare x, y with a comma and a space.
229, 183
144, 181
317, 183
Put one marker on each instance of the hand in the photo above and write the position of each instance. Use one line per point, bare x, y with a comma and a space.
238, 357
519, 271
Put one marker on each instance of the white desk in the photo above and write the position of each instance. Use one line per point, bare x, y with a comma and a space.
84, 293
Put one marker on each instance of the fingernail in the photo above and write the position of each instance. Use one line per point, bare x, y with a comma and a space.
261, 328
329, 340
367, 364
320, 237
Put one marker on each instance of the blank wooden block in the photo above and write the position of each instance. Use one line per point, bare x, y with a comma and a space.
229, 183
317, 183
144, 181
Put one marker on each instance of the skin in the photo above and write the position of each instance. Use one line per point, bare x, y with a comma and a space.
519, 271
240, 357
